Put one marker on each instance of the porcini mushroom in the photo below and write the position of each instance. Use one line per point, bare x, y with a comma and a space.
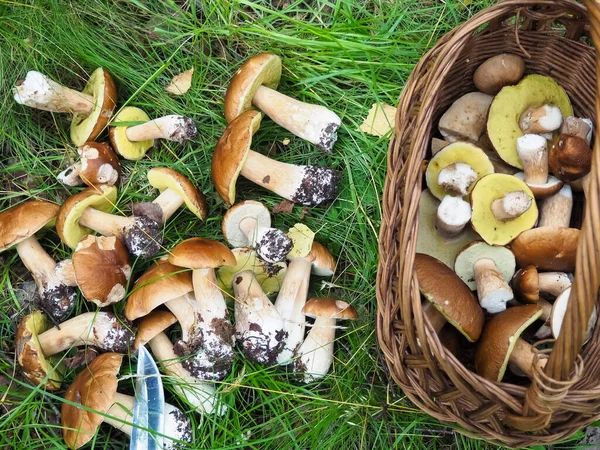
315, 355
258, 325
540, 119
449, 298
248, 224
528, 283
452, 216
133, 141
101, 266
575, 126
570, 158
498, 71
95, 387
254, 84
92, 108
35, 341
533, 152
98, 165
500, 343
18, 226
307, 185
503, 207
466, 118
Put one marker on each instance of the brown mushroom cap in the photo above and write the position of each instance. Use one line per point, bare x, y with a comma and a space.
526, 284
102, 87
261, 70
99, 164
162, 178
101, 266
570, 158
329, 308
24, 220
231, 152
449, 295
151, 325
498, 71
95, 388
160, 283
322, 261
547, 248
201, 253
499, 338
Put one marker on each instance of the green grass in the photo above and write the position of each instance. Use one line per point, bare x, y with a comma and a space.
344, 54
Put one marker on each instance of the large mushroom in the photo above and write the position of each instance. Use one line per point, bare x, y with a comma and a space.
570, 158
248, 224
533, 152
466, 118
307, 185
18, 226
315, 355
95, 388
133, 141
98, 165
92, 108
255, 83
35, 341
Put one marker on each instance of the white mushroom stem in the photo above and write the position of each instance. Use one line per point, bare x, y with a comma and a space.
172, 128
553, 283
316, 352
524, 356
457, 178
104, 223
533, 152
39, 263
211, 304
511, 206
493, 290
541, 119
40, 92
169, 201
185, 309
313, 123
121, 413
65, 272
578, 127
435, 317
290, 301
70, 176
556, 210
198, 393
252, 230
452, 216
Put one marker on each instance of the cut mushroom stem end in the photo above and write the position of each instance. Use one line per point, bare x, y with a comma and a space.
452, 216
172, 128
457, 178
70, 176
493, 290
533, 152
541, 119
511, 205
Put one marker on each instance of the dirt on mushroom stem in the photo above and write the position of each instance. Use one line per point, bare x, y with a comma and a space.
57, 302
144, 238
319, 185
273, 246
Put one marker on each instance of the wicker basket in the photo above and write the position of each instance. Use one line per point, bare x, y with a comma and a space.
554, 39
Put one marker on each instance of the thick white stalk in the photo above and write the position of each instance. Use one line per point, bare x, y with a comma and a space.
282, 178
249, 226
173, 128
556, 210
511, 206
554, 283
169, 201
121, 411
316, 352
211, 304
104, 223
185, 309
38, 262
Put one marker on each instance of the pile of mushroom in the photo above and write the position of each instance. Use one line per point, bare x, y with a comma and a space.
496, 217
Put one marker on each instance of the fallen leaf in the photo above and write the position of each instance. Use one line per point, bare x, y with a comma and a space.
181, 83
286, 141
380, 120
82, 357
305, 212
284, 207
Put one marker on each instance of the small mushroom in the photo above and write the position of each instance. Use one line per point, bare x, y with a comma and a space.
95, 387
258, 325
533, 152
500, 343
306, 185
528, 283
452, 216
92, 108
18, 226
35, 341
570, 158
559, 309
449, 298
487, 268
315, 355
254, 84
101, 267
498, 71
98, 165
248, 224
575, 126
540, 119
133, 141
502, 208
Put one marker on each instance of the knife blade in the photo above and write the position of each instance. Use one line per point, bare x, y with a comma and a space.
148, 408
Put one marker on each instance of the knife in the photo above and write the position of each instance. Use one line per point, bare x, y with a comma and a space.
148, 409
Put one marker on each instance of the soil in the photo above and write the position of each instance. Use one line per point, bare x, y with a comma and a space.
319, 185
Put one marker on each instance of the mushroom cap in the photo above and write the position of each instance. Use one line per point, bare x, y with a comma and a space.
160, 283
101, 197
511, 101
466, 117
490, 188
155, 322
499, 338
99, 164
201, 253
498, 71
231, 153
559, 309
551, 187
322, 261
101, 266
526, 283
24, 220
476, 250
102, 87
29, 352
547, 248
95, 388
162, 178
263, 69
118, 137
329, 308
449, 295
570, 158
248, 209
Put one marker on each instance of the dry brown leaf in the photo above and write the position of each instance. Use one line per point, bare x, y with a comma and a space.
284, 207
82, 357
181, 83
380, 120
305, 212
